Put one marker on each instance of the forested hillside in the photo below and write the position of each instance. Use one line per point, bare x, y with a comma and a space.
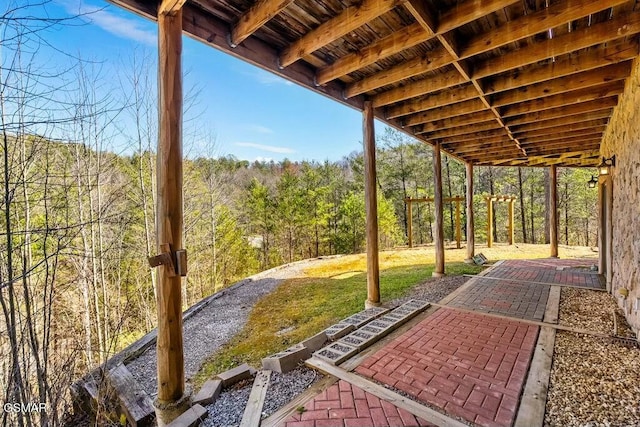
77, 179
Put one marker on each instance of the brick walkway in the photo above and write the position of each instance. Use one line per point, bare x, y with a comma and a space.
469, 365
507, 298
573, 272
345, 405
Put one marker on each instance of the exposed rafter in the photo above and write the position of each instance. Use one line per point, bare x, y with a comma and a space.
562, 99
436, 100
466, 107
348, 20
534, 23
394, 43
582, 80
569, 110
616, 28
260, 13
567, 66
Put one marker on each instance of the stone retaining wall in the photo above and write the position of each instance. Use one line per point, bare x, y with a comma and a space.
622, 138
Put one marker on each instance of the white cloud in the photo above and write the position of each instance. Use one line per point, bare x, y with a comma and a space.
260, 129
110, 22
267, 78
269, 148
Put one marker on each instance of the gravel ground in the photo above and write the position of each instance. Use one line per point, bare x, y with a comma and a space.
433, 289
214, 325
228, 409
594, 381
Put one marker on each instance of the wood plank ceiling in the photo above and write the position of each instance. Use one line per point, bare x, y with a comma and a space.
497, 82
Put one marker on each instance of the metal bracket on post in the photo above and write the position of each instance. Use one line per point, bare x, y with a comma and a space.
174, 262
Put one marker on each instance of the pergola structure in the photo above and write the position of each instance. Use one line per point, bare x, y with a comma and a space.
490, 82
490, 211
409, 201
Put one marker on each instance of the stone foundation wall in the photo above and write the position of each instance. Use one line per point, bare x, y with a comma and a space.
622, 138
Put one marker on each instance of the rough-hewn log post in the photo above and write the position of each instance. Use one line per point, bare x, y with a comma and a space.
410, 222
471, 241
553, 214
489, 222
169, 215
510, 229
370, 194
439, 234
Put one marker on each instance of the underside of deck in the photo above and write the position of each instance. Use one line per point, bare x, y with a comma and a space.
497, 82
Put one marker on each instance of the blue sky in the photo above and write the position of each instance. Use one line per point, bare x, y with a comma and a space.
252, 113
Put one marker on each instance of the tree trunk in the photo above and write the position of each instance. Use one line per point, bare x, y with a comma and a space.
522, 213
547, 195
532, 195
492, 191
566, 213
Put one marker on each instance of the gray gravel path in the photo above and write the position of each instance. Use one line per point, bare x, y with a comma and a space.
228, 409
215, 323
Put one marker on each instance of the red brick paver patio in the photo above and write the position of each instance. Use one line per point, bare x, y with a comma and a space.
470, 365
573, 272
345, 405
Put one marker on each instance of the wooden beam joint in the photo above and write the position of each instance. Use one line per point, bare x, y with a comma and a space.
175, 262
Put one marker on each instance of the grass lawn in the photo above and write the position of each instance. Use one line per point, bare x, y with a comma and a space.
333, 289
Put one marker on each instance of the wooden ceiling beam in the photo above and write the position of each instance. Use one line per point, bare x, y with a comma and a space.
261, 12
561, 121
564, 99
168, 7
431, 61
461, 108
624, 25
567, 162
462, 150
569, 110
461, 120
430, 102
566, 128
409, 36
534, 23
418, 88
585, 61
559, 138
466, 12
478, 136
451, 143
493, 156
347, 21
579, 141
435, 59
586, 150
461, 131
396, 42
543, 162
470, 11
583, 80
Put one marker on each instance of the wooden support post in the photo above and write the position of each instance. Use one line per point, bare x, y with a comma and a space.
510, 230
471, 241
169, 216
553, 215
458, 226
409, 222
437, 197
370, 194
489, 222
